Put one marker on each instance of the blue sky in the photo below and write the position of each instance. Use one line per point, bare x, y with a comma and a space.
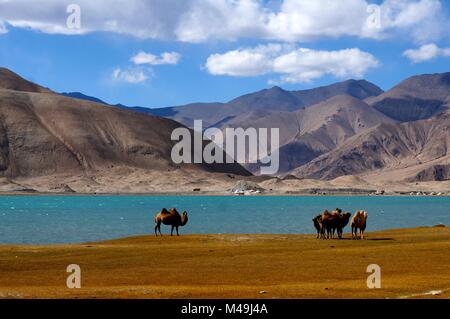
219, 60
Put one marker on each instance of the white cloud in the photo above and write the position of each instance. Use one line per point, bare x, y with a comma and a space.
294, 65
130, 75
245, 62
151, 59
202, 20
426, 52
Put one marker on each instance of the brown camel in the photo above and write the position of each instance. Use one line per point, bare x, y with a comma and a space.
359, 222
329, 223
332, 222
318, 224
172, 218
343, 221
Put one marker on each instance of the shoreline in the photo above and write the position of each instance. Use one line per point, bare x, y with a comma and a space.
188, 235
226, 193
413, 262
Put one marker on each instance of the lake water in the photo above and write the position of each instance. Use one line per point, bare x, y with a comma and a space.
68, 219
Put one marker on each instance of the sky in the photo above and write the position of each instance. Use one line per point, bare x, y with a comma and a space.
158, 53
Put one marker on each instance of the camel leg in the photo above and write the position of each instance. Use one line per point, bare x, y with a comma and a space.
157, 226
171, 232
177, 231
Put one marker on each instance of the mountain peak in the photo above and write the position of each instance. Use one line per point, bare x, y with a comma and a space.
12, 81
276, 88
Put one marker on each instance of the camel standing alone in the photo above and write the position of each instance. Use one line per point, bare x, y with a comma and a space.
359, 222
172, 218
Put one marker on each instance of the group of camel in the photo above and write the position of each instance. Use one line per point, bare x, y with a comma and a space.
327, 222
335, 221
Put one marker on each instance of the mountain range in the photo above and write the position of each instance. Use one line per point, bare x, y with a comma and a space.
43, 133
347, 128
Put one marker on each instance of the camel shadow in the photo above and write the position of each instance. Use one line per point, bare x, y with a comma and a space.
374, 239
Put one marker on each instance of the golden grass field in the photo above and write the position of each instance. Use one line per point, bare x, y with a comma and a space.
414, 263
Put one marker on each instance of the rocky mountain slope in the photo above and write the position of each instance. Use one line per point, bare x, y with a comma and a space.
416, 98
310, 132
419, 149
43, 133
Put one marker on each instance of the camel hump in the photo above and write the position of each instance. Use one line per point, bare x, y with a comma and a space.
164, 211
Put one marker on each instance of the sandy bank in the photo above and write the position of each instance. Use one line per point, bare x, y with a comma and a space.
413, 262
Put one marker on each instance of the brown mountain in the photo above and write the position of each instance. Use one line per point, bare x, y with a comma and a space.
347, 128
416, 98
42, 133
262, 103
11, 81
310, 132
418, 150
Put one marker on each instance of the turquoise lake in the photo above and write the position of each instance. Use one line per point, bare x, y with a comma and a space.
72, 219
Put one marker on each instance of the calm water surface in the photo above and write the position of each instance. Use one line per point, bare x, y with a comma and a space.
66, 219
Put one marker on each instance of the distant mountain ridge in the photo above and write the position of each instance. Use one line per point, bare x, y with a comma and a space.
332, 131
257, 104
81, 96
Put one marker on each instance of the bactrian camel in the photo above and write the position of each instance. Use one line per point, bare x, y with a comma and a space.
330, 222
172, 218
359, 222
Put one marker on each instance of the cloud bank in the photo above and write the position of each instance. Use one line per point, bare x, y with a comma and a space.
203, 20
294, 65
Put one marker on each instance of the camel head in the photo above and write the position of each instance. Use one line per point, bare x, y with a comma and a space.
184, 218
346, 217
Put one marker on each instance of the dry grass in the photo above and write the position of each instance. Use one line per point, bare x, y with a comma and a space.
413, 262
